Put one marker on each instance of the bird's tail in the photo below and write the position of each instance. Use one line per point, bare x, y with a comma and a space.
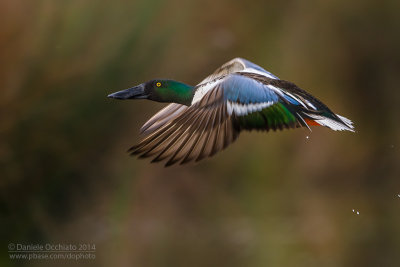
332, 121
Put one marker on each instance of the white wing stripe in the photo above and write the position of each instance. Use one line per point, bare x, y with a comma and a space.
244, 109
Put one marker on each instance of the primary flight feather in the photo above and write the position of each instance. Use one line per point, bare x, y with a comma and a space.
204, 119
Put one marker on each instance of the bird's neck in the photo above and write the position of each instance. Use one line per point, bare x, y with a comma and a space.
185, 94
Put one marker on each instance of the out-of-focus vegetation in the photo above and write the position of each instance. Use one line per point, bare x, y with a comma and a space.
276, 199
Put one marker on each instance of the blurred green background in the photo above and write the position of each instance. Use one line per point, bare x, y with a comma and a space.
276, 199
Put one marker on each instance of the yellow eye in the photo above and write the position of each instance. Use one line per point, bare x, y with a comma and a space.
158, 84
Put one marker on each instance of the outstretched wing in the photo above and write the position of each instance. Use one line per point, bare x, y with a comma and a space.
202, 130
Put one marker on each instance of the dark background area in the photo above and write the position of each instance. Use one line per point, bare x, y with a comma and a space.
276, 199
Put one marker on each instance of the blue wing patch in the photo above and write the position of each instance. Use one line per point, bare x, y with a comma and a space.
241, 89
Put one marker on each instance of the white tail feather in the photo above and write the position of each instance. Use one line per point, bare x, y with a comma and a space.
345, 125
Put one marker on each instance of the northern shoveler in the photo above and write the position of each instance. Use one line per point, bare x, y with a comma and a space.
204, 119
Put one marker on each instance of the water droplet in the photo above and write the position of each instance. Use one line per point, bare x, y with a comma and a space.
353, 210
307, 137
398, 195
358, 213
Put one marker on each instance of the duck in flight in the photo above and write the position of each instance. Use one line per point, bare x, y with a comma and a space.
204, 119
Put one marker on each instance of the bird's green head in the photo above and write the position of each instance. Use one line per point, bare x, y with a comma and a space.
158, 90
